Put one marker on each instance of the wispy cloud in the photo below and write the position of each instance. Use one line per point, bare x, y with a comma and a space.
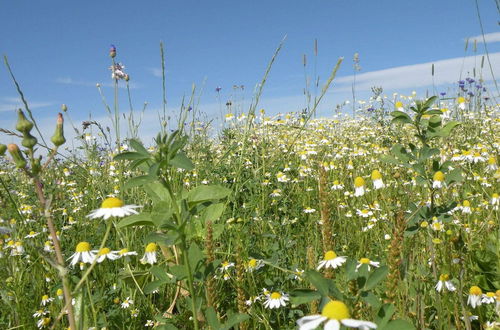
155, 72
13, 103
489, 38
71, 81
419, 75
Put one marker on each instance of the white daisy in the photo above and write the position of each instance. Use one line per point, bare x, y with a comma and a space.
125, 253
377, 180
150, 254
106, 253
83, 253
475, 295
438, 180
359, 186
368, 262
331, 260
444, 282
276, 300
127, 302
113, 207
334, 313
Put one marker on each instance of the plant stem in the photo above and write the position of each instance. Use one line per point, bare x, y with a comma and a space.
190, 282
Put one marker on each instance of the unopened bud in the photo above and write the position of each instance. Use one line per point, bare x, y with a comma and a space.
23, 124
17, 156
112, 51
3, 149
29, 141
127, 77
64, 107
58, 137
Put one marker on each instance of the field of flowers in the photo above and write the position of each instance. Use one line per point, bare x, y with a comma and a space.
388, 221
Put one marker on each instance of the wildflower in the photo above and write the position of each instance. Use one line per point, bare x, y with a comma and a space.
113, 207
41, 312
32, 234
364, 213
106, 253
495, 199
47, 246
377, 180
461, 103
488, 298
150, 254
359, 186
125, 253
297, 274
43, 322
225, 265
254, 264
229, 116
117, 71
444, 282
334, 313
438, 180
492, 164
399, 106
59, 294
83, 253
149, 323
309, 210
437, 225
46, 300
466, 207
127, 302
276, 300
337, 185
475, 295
331, 260
368, 262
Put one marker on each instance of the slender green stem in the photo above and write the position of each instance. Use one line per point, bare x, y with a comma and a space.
190, 283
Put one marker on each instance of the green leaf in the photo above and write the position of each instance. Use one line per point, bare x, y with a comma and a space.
152, 286
370, 299
234, 320
130, 155
303, 296
389, 159
137, 146
159, 272
378, 275
453, 176
213, 212
170, 238
141, 219
384, 314
138, 181
433, 112
318, 281
212, 319
157, 192
196, 256
398, 325
207, 193
181, 161
430, 101
179, 271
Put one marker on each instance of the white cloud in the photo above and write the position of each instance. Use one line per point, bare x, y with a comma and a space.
419, 75
156, 72
71, 81
489, 38
13, 103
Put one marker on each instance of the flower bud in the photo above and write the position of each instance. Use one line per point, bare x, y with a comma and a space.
29, 141
23, 124
3, 149
112, 51
17, 156
58, 137
64, 107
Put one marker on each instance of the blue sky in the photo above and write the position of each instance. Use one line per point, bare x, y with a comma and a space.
59, 49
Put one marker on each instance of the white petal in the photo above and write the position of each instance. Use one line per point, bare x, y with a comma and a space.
310, 322
359, 324
332, 325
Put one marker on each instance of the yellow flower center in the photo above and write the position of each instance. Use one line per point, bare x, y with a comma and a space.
123, 251
59, 292
490, 294
252, 263
330, 255
336, 182
335, 310
376, 175
32, 233
492, 160
444, 277
104, 251
112, 202
45, 297
461, 100
151, 247
475, 290
438, 176
83, 247
359, 182
365, 211
275, 295
399, 104
364, 261
466, 203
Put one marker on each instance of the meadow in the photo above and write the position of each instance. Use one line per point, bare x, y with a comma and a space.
387, 220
